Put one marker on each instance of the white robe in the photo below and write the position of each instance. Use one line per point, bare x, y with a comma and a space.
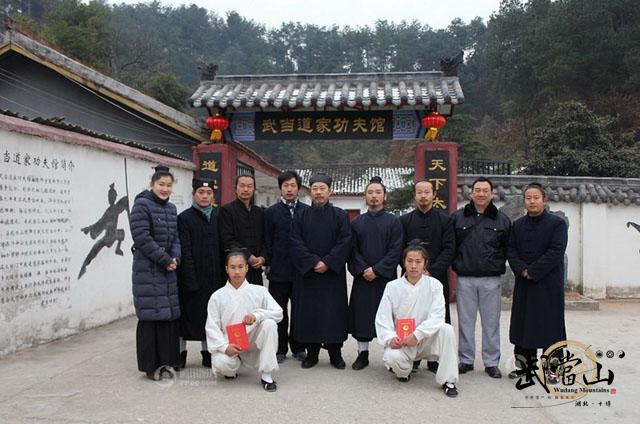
229, 305
424, 302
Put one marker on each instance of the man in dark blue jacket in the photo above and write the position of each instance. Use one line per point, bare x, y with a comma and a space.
277, 232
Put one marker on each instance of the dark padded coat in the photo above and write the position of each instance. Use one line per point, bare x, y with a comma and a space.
154, 229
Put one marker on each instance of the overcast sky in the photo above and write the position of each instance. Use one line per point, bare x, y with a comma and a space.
437, 14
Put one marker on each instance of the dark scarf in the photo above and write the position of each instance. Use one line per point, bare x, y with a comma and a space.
159, 200
205, 211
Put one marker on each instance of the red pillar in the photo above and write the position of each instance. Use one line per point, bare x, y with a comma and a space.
438, 162
217, 162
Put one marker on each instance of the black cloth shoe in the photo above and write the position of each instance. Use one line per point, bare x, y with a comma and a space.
450, 389
151, 375
516, 374
167, 372
416, 366
404, 379
300, 356
183, 359
335, 358
206, 358
433, 366
494, 372
269, 387
463, 368
362, 361
231, 377
310, 361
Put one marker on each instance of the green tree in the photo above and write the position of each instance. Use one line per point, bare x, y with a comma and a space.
166, 88
576, 141
81, 31
401, 198
461, 128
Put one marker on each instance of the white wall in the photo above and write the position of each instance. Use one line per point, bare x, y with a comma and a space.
603, 254
43, 301
345, 203
622, 255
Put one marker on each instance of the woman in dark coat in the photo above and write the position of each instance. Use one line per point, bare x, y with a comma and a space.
536, 255
200, 272
156, 255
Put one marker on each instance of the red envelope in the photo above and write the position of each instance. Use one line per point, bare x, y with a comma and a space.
405, 327
237, 335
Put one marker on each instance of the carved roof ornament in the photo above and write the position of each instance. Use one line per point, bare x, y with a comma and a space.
209, 72
449, 65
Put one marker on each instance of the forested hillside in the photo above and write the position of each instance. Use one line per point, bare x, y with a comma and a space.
521, 68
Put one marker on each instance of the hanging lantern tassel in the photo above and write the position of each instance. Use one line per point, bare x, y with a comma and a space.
431, 134
432, 122
216, 135
217, 124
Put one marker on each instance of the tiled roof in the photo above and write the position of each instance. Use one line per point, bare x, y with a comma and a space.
390, 90
351, 180
59, 123
561, 189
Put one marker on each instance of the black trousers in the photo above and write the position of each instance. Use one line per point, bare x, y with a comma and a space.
281, 292
314, 348
525, 357
158, 344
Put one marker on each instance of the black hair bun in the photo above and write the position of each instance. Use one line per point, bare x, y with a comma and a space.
416, 243
375, 179
161, 168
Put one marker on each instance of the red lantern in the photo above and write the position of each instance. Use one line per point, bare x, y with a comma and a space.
433, 122
217, 124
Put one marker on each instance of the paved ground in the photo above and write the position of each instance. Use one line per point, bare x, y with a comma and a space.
92, 377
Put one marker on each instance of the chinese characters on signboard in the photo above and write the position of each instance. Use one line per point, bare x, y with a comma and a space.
437, 169
324, 125
210, 169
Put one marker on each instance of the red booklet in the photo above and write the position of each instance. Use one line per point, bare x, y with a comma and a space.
237, 335
405, 327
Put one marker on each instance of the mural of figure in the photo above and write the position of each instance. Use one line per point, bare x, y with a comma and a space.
634, 225
109, 224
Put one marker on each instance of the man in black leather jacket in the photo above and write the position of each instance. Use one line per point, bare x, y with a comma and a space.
482, 233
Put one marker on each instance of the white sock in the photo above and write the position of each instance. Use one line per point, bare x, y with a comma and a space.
363, 346
266, 376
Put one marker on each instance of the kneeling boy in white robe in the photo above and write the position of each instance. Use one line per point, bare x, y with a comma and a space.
419, 297
236, 302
